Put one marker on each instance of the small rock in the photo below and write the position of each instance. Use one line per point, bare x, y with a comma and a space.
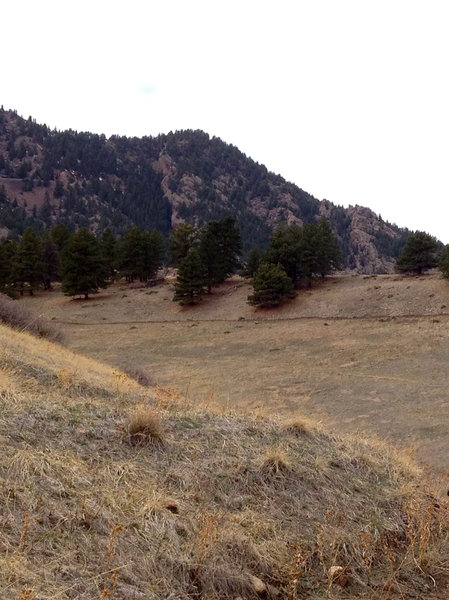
339, 575
172, 506
258, 585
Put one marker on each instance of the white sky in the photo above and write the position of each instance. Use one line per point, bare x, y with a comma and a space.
349, 99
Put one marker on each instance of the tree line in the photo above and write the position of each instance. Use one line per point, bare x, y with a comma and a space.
204, 257
294, 254
82, 262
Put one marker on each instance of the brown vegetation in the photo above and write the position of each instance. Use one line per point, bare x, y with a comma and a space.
359, 353
18, 316
228, 506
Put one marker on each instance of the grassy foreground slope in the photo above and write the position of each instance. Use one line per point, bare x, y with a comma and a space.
109, 491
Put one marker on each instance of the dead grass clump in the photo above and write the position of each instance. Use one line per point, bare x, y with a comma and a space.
144, 426
13, 313
275, 462
299, 427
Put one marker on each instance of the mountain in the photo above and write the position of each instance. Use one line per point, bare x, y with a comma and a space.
86, 180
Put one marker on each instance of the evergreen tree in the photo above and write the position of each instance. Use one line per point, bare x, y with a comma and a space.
220, 248
252, 262
191, 280
109, 254
8, 250
285, 248
320, 254
141, 254
271, 286
443, 261
60, 235
131, 253
419, 253
50, 271
182, 238
153, 254
329, 254
82, 267
309, 250
29, 266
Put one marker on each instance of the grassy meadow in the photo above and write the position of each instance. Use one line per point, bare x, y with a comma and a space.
113, 490
363, 354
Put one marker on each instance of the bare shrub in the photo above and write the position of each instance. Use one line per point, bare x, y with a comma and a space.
140, 376
13, 313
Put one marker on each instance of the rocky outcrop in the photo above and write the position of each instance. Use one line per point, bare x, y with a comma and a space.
365, 256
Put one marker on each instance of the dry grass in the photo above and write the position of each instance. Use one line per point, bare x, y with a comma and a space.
18, 316
227, 503
299, 426
343, 353
275, 462
144, 426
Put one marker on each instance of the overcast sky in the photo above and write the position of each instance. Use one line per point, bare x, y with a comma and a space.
349, 99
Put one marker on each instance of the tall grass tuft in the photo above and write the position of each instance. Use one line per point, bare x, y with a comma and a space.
144, 426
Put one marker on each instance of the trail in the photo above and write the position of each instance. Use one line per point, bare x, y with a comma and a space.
383, 318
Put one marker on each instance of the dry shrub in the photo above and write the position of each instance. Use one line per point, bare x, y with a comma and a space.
13, 313
144, 426
140, 376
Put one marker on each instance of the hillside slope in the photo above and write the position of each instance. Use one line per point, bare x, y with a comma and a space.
86, 180
200, 505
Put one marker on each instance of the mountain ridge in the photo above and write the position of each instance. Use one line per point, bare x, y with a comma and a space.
88, 180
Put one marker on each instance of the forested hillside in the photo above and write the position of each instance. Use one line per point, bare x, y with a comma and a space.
86, 180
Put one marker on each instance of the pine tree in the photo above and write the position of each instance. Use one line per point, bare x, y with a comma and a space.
320, 254
50, 271
419, 253
443, 261
329, 253
29, 265
60, 235
192, 279
182, 237
252, 262
109, 254
131, 253
82, 267
285, 248
141, 254
271, 286
220, 248
8, 251
153, 252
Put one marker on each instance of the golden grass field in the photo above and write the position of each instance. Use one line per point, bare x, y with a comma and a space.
112, 490
359, 353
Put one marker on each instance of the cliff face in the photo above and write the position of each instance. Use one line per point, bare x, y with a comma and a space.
86, 180
365, 230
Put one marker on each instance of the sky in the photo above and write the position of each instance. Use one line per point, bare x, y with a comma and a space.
348, 99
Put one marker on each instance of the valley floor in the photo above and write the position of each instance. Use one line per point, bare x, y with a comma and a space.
361, 353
